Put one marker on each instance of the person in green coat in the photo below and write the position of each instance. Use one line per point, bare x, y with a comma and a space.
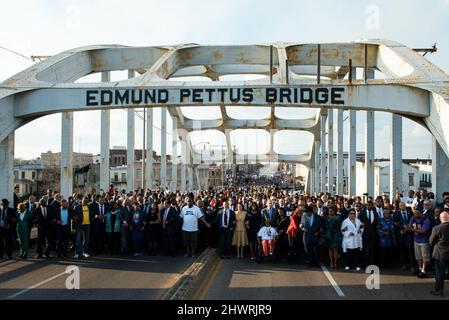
23, 229
332, 224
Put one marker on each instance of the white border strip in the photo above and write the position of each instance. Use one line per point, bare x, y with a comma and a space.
332, 281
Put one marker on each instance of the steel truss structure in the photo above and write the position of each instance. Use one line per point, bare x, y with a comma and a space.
391, 78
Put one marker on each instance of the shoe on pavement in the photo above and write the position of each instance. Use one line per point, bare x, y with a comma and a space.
76, 256
422, 275
358, 269
86, 255
437, 293
347, 268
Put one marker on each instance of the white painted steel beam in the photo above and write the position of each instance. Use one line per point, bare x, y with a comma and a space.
105, 178
130, 144
340, 163
396, 156
66, 154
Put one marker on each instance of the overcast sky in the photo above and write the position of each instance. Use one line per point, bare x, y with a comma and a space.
43, 27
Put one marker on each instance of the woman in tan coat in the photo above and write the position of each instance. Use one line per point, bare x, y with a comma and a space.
240, 239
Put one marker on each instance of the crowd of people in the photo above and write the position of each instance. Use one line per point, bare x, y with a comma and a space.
262, 221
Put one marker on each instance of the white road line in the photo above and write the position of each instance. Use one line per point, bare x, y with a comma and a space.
332, 281
15, 295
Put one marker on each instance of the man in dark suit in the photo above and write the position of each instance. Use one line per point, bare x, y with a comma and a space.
31, 204
428, 211
439, 239
270, 213
49, 196
7, 222
16, 198
98, 210
226, 221
169, 218
379, 207
445, 203
54, 206
404, 235
369, 218
43, 218
347, 206
62, 218
311, 227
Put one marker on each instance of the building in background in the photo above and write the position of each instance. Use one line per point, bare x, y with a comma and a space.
86, 179
53, 159
415, 175
28, 175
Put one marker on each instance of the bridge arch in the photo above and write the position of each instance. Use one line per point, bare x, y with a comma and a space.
296, 75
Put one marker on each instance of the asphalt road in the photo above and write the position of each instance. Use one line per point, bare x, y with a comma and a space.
129, 278
242, 279
102, 277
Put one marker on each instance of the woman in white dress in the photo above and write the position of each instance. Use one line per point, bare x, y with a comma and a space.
352, 230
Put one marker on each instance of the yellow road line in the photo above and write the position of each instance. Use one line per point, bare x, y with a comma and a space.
202, 291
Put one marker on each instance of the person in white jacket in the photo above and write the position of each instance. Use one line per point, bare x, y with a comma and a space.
352, 243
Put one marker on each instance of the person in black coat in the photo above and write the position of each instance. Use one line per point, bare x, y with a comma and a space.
7, 229
311, 225
153, 228
428, 211
439, 239
62, 217
169, 217
16, 198
404, 235
254, 224
226, 222
282, 246
369, 219
97, 212
54, 206
210, 216
43, 218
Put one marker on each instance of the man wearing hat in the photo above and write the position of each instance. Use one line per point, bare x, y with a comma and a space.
7, 229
